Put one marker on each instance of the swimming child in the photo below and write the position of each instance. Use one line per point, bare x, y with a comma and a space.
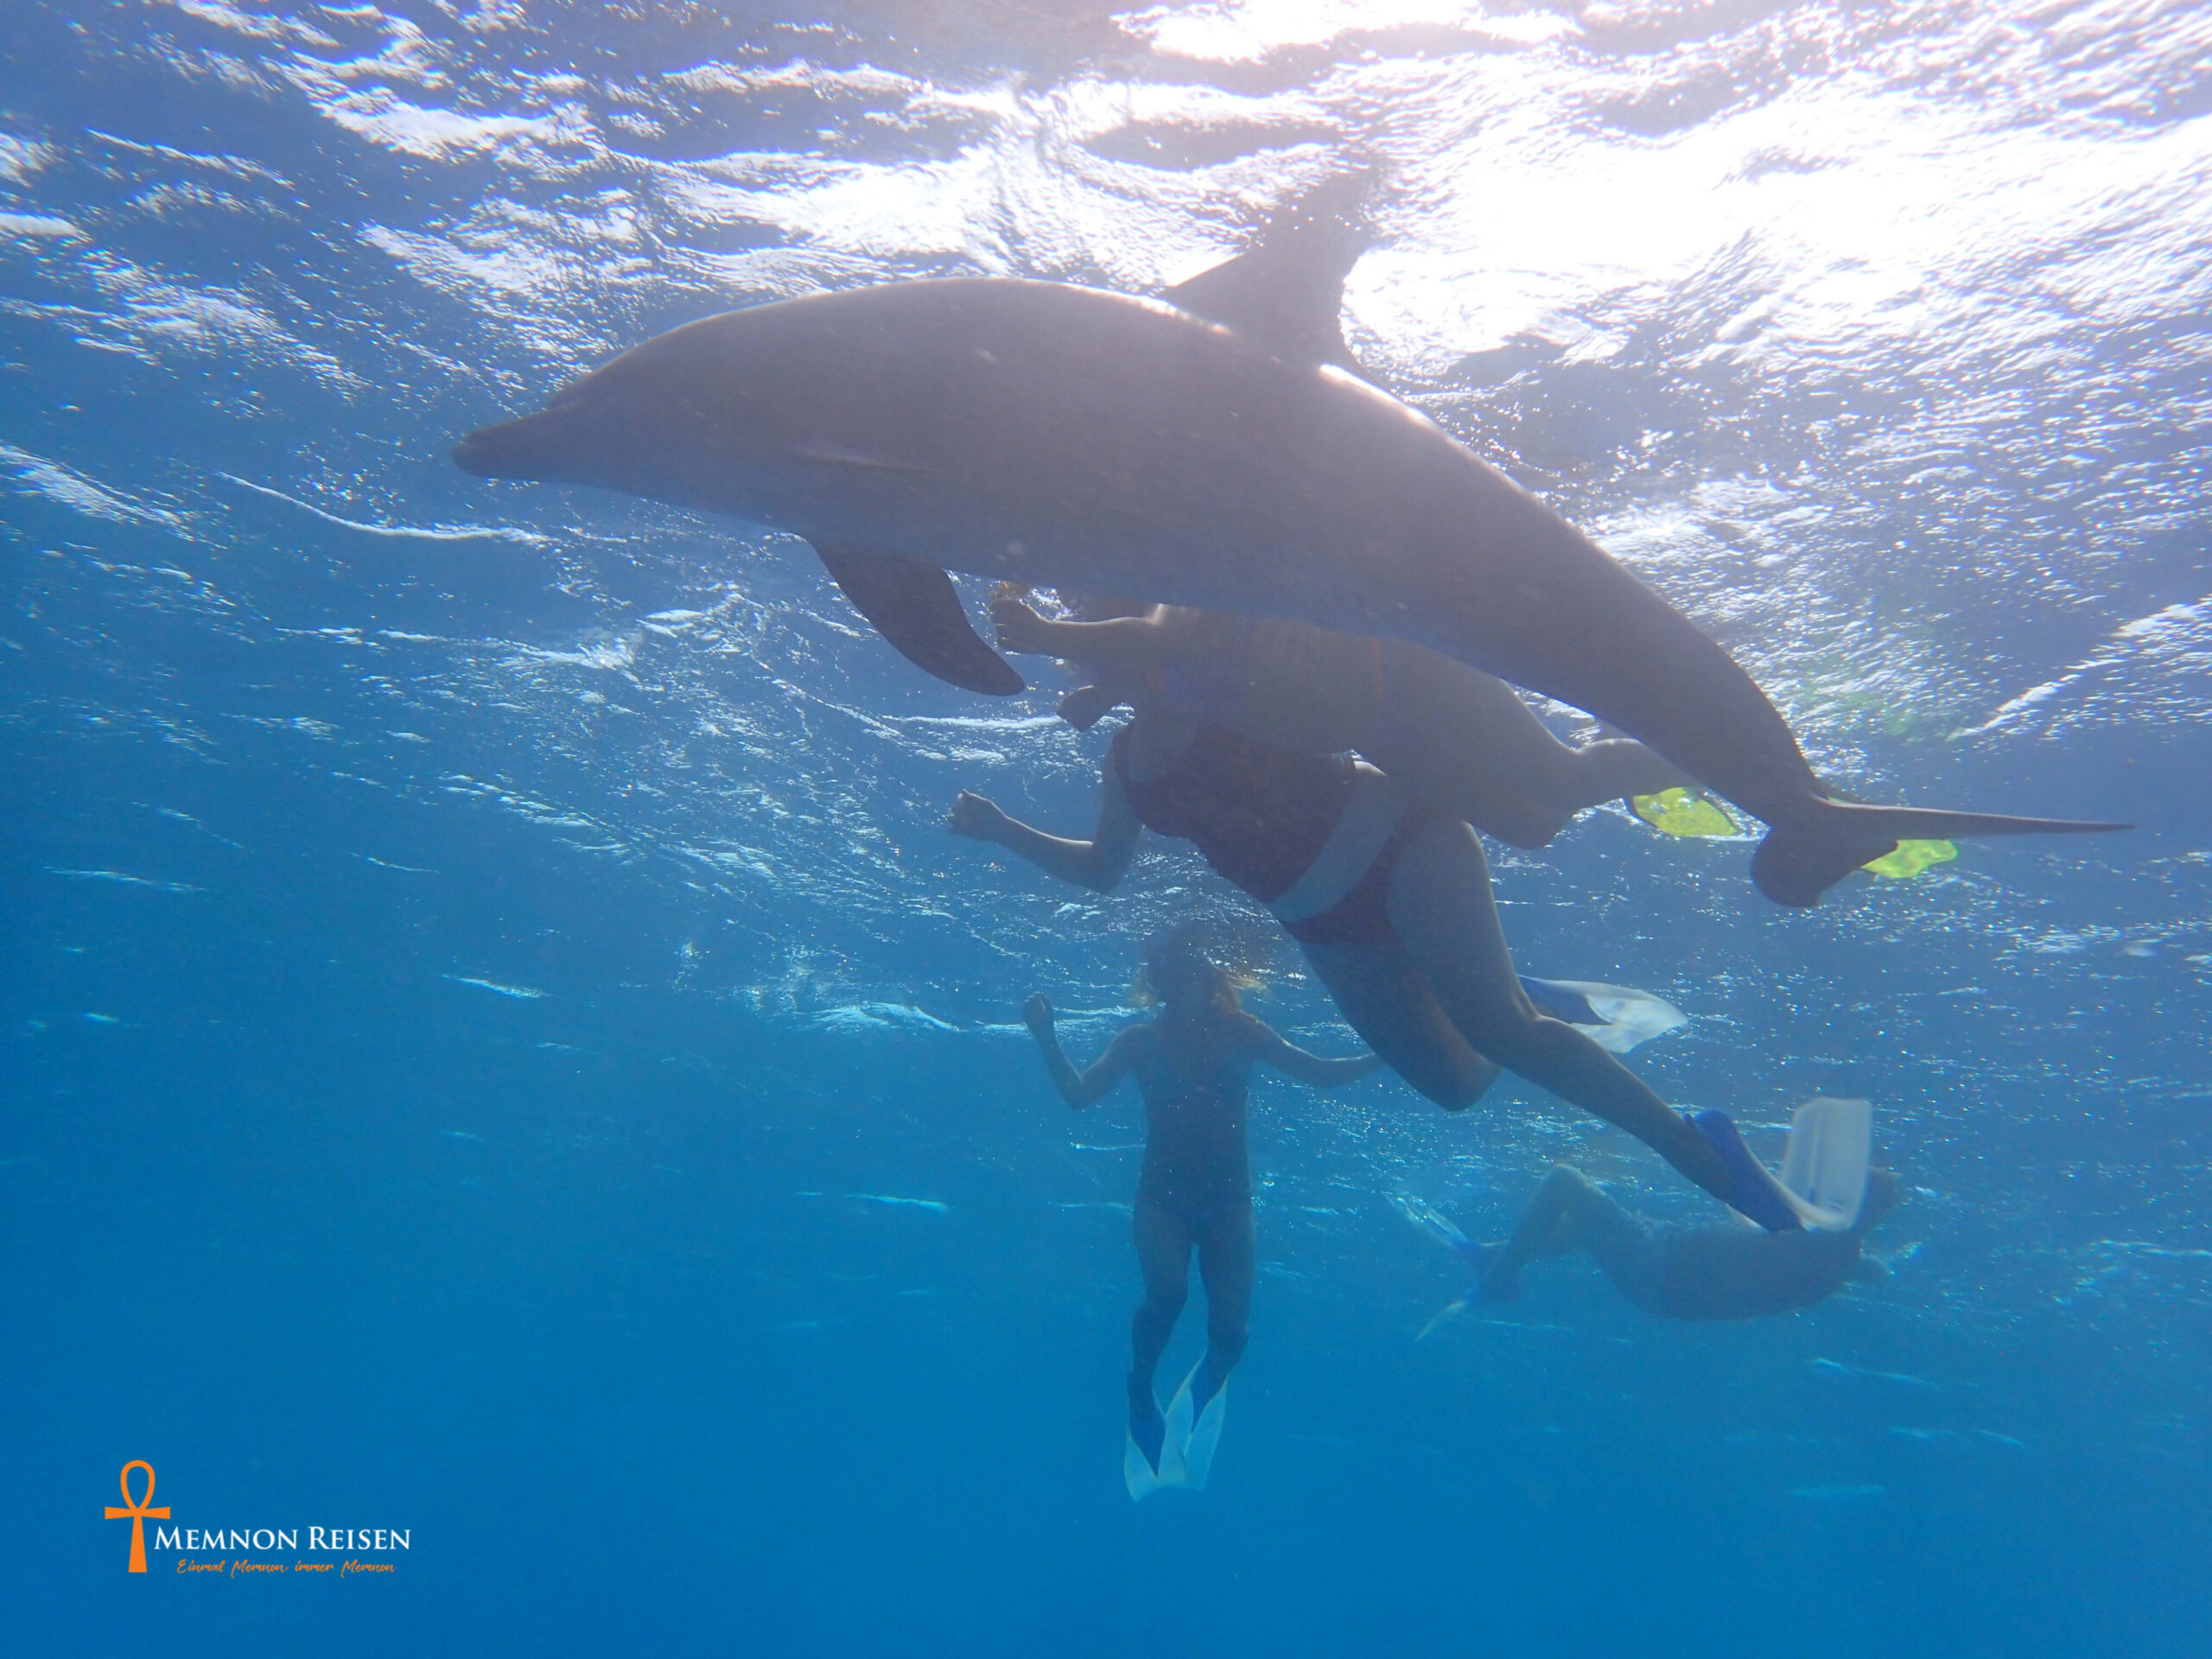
1191, 1061
1458, 738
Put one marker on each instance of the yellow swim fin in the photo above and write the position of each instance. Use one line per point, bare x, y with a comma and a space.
1909, 858
1678, 812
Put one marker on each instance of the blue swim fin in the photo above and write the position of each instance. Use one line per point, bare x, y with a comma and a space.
1753, 1192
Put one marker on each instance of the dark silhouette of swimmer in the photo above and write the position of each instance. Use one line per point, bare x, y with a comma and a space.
1678, 1273
1191, 1061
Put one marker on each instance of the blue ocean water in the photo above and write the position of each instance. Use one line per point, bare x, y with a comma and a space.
499, 1045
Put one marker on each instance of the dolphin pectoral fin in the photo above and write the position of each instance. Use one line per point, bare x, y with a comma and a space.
1284, 292
915, 606
1796, 863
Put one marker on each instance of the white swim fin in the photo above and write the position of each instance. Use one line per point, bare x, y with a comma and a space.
1438, 1226
1831, 1144
1187, 1458
1614, 1017
1450, 1310
1137, 1475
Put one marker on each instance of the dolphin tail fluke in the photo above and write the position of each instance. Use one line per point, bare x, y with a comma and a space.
916, 608
1798, 863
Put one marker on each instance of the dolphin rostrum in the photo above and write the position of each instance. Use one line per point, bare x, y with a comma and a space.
1212, 448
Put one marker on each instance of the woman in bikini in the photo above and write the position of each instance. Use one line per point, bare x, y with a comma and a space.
1389, 898
1194, 1194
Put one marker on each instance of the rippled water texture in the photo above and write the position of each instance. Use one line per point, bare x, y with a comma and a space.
497, 1041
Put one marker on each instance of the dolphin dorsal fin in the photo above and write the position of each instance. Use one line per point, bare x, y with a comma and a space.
1284, 292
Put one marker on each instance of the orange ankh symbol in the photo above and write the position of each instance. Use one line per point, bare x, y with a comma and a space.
138, 1510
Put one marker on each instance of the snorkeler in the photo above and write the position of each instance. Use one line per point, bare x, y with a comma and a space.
1191, 1061
1390, 901
1458, 738
1677, 1273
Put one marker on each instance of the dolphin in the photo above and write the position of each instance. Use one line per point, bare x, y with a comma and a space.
1217, 448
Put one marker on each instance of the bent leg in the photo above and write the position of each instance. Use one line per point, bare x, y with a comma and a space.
1228, 1262
1440, 903
1381, 994
1612, 769
1566, 1214
1464, 741
1164, 1257
1461, 784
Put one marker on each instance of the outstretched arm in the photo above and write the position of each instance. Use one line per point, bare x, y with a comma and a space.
1271, 1048
1078, 1089
1120, 643
1099, 863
